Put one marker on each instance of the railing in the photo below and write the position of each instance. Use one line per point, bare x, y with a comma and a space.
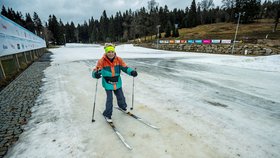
18, 48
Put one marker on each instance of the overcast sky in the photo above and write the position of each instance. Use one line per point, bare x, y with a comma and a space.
79, 11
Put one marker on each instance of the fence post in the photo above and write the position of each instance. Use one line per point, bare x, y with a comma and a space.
2, 69
31, 56
25, 57
16, 62
35, 53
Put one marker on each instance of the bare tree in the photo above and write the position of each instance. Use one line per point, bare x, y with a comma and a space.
206, 4
227, 4
277, 16
152, 4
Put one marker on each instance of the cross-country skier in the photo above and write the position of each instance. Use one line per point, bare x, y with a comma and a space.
109, 67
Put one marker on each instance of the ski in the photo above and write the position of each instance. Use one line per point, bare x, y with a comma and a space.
138, 118
118, 133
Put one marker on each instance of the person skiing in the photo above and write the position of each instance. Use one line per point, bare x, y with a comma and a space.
109, 67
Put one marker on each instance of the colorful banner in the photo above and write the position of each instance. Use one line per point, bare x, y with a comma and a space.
215, 41
183, 41
198, 41
177, 41
190, 41
163, 41
172, 41
206, 41
226, 41
166, 41
15, 39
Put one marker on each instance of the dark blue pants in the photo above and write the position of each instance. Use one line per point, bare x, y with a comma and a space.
109, 102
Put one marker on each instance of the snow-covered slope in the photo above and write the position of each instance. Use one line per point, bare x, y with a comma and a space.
206, 105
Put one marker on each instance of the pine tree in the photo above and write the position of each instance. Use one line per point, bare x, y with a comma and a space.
176, 32
61, 33
180, 18
192, 16
37, 24
29, 25
71, 34
118, 26
4, 11
168, 29
11, 14
276, 8
53, 26
141, 22
250, 7
19, 19
90, 30
186, 17
164, 17
111, 30
161, 19
104, 25
153, 21
83, 32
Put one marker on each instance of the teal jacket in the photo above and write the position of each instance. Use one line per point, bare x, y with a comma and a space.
110, 71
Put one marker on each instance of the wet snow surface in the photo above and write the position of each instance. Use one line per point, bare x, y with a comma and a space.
206, 106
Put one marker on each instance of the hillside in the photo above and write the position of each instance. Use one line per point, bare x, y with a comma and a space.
257, 30
260, 33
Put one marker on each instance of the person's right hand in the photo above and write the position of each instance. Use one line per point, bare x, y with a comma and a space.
98, 75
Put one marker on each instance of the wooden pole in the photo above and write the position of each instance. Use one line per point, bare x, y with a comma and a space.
2, 69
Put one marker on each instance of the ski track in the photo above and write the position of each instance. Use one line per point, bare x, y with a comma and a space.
202, 111
260, 111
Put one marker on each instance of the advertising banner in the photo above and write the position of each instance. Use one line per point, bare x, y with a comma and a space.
190, 41
226, 41
15, 39
163, 41
215, 41
198, 41
177, 41
183, 41
166, 41
206, 41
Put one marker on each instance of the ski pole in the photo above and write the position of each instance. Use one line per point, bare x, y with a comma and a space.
132, 93
92, 120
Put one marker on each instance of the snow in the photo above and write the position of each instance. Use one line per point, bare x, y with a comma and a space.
207, 105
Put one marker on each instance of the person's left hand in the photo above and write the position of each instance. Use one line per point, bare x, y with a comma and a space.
134, 73
98, 75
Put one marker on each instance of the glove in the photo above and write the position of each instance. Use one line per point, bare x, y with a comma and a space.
97, 75
134, 73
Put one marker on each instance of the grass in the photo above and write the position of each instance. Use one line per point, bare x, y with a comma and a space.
51, 46
11, 70
258, 30
22, 62
9, 67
